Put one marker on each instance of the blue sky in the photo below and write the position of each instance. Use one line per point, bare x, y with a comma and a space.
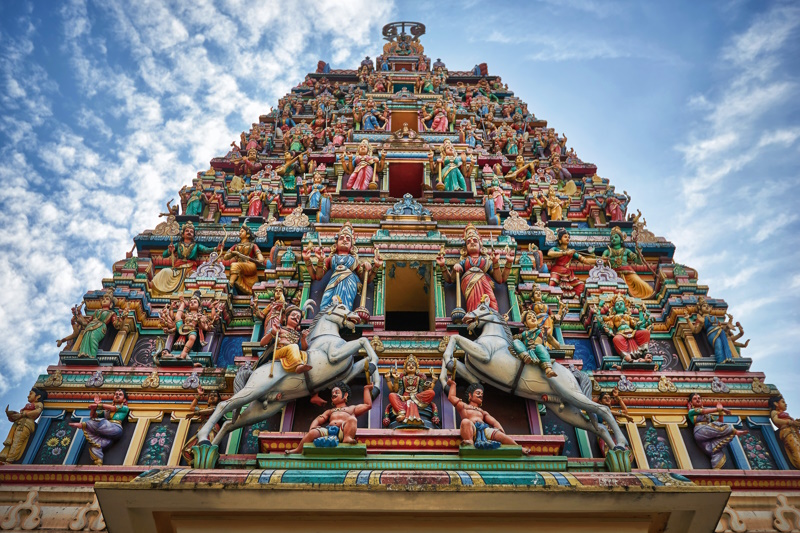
107, 108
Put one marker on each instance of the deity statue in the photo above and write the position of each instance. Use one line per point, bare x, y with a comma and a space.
451, 164
613, 205
193, 199
608, 400
287, 340
271, 315
95, 327
362, 166
338, 424
255, 202
787, 429
710, 433
412, 392
76, 328
201, 415
184, 256
23, 425
370, 116
560, 273
520, 174
478, 428
344, 262
317, 188
104, 426
718, 332
477, 270
292, 168
621, 259
534, 343
246, 257
189, 321
555, 205
628, 325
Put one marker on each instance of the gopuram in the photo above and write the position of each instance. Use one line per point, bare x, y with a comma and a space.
401, 300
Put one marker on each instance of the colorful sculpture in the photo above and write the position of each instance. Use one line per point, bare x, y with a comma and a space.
711, 434
412, 392
451, 177
561, 274
104, 426
628, 325
362, 167
189, 322
622, 260
245, 258
293, 168
338, 424
477, 270
787, 429
94, 328
533, 343
717, 331
196, 413
23, 425
185, 256
317, 188
288, 342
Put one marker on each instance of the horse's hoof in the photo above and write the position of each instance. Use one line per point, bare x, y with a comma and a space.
620, 448
372, 368
375, 392
204, 441
449, 365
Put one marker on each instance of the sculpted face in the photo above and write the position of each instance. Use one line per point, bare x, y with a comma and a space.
294, 318
344, 243
194, 303
243, 234
473, 244
411, 367
336, 395
564, 239
32, 396
119, 396
616, 240
697, 401
619, 306
537, 294
188, 233
106, 301
476, 397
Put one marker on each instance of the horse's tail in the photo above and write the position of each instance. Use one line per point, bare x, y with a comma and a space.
584, 381
242, 375
310, 305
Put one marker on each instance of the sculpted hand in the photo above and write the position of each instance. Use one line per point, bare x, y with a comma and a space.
458, 268
510, 256
440, 260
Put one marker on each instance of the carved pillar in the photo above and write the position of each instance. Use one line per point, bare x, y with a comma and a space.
636, 442
673, 423
142, 419
181, 436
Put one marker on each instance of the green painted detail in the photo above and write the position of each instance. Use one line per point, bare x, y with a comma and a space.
504, 452
512, 478
314, 476
411, 344
344, 451
583, 442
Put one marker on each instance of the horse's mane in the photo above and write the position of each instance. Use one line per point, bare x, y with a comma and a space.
319, 315
509, 337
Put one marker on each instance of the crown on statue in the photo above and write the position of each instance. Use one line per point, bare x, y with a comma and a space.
619, 232
411, 358
471, 231
347, 229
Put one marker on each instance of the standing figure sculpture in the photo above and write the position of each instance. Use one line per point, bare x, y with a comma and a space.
189, 322
23, 425
362, 166
94, 328
193, 200
561, 274
533, 343
478, 428
622, 260
787, 429
411, 392
338, 424
477, 270
451, 164
343, 260
710, 433
555, 205
200, 414
104, 426
245, 256
717, 330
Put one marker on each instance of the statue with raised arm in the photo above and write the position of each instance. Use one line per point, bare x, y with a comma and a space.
717, 330
245, 256
104, 426
628, 325
23, 425
95, 327
189, 321
621, 259
561, 274
339, 424
534, 342
710, 432
412, 391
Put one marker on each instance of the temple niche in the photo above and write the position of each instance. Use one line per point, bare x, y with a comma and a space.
401, 277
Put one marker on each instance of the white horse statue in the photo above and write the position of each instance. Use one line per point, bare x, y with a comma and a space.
491, 358
332, 359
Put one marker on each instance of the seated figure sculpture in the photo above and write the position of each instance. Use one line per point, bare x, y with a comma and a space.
533, 343
105, 424
628, 325
411, 399
711, 434
337, 425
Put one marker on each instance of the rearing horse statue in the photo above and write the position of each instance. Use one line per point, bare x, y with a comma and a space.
332, 359
491, 358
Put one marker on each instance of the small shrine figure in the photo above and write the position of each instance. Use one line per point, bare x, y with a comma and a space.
193, 200
95, 327
337, 425
189, 321
271, 315
245, 258
710, 433
317, 188
608, 400
787, 429
533, 344
183, 256
255, 202
555, 205
289, 343
343, 260
520, 174
613, 205
201, 415
23, 425
76, 328
478, 428
561, 274
628, 325
411, 397
292, 168
451, 164
717, 331
477, 270
622, 260
104, 426
362, 166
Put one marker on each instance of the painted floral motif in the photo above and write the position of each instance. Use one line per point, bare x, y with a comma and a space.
157, 444
250, 436
56, 443
657, 450
756, 451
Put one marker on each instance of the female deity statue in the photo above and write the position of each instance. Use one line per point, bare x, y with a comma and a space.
629, 329
105, 424
717, 330
621, 259
183, 257
520, 174
94, 328
189, 322
23, 425
255, 202
560, 273
411, 392
477, 270
317, 188
710, 433
344, 262
787, 429
193, 200
613, 205
555, 205
246, 257
451, 164
360, 166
